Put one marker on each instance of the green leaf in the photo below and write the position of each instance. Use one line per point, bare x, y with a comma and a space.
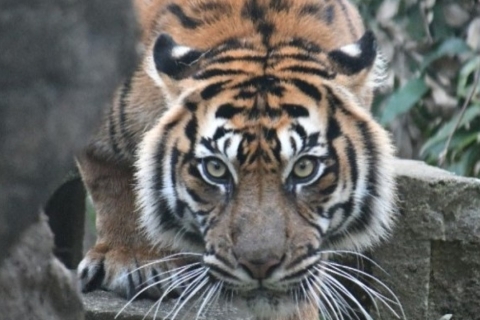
451, 46
442, 134
404, 99
463, 88
460, 141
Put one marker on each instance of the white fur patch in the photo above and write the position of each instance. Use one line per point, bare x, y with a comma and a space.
352, 50
180, 51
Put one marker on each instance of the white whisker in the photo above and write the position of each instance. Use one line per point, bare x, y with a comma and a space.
345, 306
326, 295
358, 254
211, 291
215, 298
319, 302
337, 269
177, 272
336, 284
193, 292
198, 274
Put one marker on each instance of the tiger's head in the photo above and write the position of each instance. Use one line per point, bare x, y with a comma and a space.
267, 157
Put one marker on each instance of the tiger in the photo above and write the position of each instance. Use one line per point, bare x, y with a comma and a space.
240, 156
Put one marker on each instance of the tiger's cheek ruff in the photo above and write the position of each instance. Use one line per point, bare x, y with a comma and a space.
164, 216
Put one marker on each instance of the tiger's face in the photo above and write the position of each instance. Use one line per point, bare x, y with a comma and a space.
264, 170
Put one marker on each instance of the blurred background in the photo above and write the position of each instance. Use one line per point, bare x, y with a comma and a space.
431, 103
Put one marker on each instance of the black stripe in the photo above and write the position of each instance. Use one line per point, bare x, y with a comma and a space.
229, 45
294, 145
194, 195
320, 12
279, 5
227, 144
129, 144
180, 206
193, 171
192, 107
186, 21
212, 90
329, 14
214, 72
223, 273
300, 131
266, 29
297, 275
112, 133
352, 160
253, 11
311, 10
168, 220
220, 132
227, 111
308, 70
307, 88
96, 280
333, 130
228, 59
207, 143
347, 17
191, 130
311, 141
295, 110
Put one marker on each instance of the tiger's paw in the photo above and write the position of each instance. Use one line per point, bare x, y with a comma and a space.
125, 272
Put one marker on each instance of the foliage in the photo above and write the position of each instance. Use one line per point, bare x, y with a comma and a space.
431, 107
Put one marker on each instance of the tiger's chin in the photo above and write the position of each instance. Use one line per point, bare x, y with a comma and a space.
264, 303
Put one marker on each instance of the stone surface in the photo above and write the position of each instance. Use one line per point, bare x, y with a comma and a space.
431, 262
455, 280
102, 305
60, 62
34, 284
430, 259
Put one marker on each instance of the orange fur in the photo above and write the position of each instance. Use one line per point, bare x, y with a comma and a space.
149, 113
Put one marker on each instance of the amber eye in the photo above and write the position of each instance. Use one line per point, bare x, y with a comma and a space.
305, 168
215, 170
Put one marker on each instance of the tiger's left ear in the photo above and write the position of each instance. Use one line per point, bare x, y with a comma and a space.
174, 60
355, 57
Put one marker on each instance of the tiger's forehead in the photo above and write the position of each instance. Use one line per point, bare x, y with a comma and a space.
264, 132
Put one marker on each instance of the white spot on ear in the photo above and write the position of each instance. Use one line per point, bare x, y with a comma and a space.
180, 51
352, 50
151, 70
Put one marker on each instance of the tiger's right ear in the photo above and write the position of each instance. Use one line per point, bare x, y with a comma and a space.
176, 61
356, 57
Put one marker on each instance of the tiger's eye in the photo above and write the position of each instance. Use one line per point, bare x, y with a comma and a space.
216, 169
304, 168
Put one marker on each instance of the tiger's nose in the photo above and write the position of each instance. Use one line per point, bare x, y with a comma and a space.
259, 269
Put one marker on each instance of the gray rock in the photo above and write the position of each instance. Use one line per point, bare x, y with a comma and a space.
102, 305
432, 259
34, 284
60, 63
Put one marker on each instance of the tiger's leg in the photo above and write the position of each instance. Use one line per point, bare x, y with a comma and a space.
120, 259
